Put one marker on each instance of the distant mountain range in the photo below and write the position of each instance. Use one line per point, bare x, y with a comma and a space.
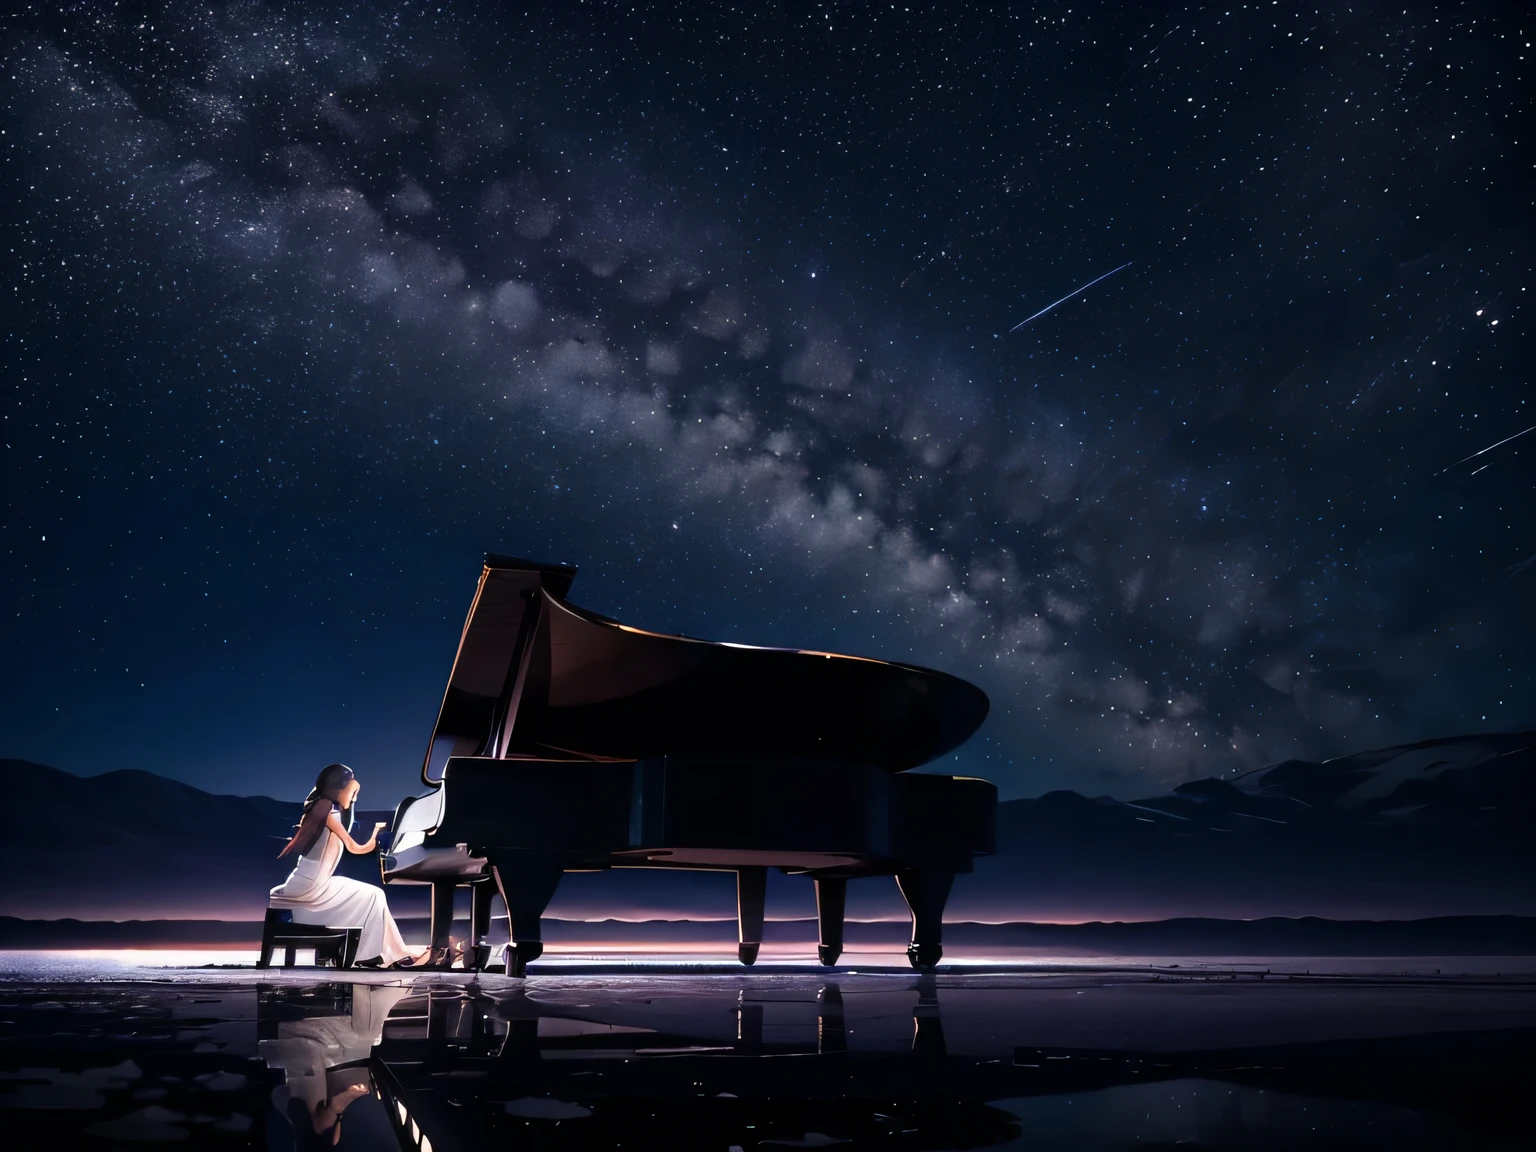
130, 844
1442, 827
1439, 828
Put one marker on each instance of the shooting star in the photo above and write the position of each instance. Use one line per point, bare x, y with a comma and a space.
932, 260
1069, 296
1480, 451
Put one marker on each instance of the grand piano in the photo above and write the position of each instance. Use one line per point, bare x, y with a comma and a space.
567, 741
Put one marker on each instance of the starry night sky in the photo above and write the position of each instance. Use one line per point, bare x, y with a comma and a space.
311, 305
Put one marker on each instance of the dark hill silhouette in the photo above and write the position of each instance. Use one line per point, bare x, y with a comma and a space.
133, 844
1438, 828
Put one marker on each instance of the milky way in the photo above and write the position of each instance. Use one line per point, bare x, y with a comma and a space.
311, 305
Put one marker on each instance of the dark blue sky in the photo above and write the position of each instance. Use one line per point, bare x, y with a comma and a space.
312, 305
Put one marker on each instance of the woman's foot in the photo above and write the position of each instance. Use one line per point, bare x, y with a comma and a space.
327, 1113
422, 959
371, 962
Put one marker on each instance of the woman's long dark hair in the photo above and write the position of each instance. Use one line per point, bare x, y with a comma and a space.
329, 785
322, 798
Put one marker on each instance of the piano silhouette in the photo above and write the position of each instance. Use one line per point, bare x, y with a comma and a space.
570, 742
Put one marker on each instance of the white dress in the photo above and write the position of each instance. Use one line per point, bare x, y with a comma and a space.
317, 896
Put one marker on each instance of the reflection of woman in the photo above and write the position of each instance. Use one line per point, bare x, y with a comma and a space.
324, 1118
324, 1063
317, 896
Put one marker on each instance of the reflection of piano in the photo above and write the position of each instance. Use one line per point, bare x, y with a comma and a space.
861, 1062
567, 741
458, 1068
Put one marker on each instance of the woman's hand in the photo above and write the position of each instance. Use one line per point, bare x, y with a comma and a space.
333, 822
373, 841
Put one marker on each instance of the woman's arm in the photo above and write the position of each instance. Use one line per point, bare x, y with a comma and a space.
333, 822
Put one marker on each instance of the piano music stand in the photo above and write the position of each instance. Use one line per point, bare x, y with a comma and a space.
279, 931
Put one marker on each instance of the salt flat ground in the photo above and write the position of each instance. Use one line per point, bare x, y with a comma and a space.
113, 1048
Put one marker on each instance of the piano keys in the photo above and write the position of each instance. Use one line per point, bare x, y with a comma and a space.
568, 741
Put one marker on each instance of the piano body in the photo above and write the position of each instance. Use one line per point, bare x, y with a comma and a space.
567, 742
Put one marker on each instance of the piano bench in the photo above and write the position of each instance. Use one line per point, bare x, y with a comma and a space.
337, 945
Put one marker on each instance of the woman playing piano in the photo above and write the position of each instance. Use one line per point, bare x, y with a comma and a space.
317, 896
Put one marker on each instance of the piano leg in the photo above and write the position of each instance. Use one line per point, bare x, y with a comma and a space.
442, 921
526, 881
927, 1025
925, 892
751, 892
749, 1026
831, 1029
478, 954
831, 899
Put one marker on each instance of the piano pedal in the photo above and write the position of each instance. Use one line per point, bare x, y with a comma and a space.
747, 953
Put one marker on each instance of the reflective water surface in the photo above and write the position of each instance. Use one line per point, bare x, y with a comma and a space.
1069, 1058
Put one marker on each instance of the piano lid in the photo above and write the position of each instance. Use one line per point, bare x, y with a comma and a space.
536, 675
556, 577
